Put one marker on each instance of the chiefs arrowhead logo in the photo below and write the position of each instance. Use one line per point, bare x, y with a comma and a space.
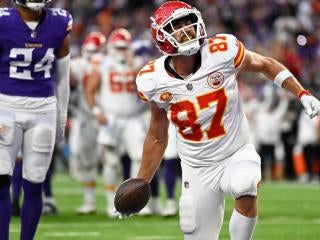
166, 96
215, 80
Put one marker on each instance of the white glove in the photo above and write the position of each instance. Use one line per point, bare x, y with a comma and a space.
121, 215
61, 125
311, 105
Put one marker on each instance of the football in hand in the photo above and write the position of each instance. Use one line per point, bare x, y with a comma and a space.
132, 195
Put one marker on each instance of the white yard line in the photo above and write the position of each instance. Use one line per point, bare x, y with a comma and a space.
97, 224
285, 220
72, 234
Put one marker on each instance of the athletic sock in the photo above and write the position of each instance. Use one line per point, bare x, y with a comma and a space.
17, 181
31, 209
5, 212
241, 227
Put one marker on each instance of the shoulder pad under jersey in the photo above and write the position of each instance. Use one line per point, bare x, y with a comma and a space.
5, 15
147, 80
224, 49
62, 18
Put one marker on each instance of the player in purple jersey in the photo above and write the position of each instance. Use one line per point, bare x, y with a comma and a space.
34, 93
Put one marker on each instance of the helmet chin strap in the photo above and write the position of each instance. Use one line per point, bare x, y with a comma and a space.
189, 49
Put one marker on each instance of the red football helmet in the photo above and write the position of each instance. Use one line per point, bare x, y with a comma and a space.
162, 20
119, 38
119, 43
93, 43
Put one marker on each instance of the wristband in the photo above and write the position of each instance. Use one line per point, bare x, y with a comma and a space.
281, 76
303, 92
96, 110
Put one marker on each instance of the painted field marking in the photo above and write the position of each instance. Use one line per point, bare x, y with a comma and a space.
152, 238
72, 234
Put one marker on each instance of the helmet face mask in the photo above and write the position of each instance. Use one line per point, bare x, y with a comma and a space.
165, 28
34, 5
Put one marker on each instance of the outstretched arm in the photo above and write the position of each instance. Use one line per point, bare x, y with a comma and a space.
272, 69
155, 143
254, 62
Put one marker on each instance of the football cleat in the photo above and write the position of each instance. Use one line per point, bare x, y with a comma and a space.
163, 30
111, 212
49, 208
155, 206
146, 211
170, 208
86, 209
34, 5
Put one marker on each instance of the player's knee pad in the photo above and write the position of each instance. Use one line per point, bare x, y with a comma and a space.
4, 181
88, 175
187, 212
42, 139
6, 163
39, 152
87, 163
244, 183
111, 156
36, 174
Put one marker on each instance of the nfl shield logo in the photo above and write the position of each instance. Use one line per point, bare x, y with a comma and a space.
215, 80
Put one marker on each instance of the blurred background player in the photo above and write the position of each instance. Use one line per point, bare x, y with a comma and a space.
307, 149
49, 204
16, 185
84, 128
34, 93
118, 110
170, 171
268, 116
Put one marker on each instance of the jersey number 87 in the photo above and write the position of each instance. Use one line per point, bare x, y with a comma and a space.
216, 128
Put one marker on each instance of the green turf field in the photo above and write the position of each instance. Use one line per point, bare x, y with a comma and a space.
288, 211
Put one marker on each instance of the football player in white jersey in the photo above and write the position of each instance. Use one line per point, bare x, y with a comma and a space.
118, 111
84, 127
194, 85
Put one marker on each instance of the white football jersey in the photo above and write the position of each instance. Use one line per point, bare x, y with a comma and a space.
118, 92
80, 68
205, 108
